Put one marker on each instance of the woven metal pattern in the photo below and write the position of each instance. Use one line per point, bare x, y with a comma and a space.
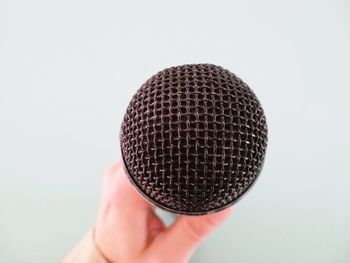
193, 139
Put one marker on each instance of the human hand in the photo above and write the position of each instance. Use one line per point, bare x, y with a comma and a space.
128, 230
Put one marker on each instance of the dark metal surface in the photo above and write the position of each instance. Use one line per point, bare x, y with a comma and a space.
193, 139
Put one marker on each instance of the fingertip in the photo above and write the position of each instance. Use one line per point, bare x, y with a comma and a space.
211, 221
112, 169
120, 189
113, 179
223, 214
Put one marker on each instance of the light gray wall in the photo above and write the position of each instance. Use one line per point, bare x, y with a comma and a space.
68, 69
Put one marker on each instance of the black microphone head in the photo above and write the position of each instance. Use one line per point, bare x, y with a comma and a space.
193, 139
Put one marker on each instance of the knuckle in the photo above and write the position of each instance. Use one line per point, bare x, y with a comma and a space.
193, 230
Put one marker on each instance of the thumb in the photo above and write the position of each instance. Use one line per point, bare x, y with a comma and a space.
184, 236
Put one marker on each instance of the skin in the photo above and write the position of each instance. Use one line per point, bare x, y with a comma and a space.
128, 230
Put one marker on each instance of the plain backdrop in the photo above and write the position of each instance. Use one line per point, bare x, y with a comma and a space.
69, 68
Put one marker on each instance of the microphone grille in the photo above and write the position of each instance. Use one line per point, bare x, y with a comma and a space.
193, 139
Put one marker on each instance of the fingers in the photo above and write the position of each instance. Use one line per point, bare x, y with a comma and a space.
126, 220
123, 215
183, 237
118, 189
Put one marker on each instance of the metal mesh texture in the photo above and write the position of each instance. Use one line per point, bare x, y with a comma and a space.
193, 139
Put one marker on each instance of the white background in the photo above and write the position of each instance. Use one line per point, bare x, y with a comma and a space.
69, 68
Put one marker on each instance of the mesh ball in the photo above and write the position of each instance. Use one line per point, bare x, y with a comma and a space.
193, 139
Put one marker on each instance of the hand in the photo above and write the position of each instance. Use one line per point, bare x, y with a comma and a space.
128, 230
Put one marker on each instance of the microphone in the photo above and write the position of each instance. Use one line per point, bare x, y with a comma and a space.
193, 139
